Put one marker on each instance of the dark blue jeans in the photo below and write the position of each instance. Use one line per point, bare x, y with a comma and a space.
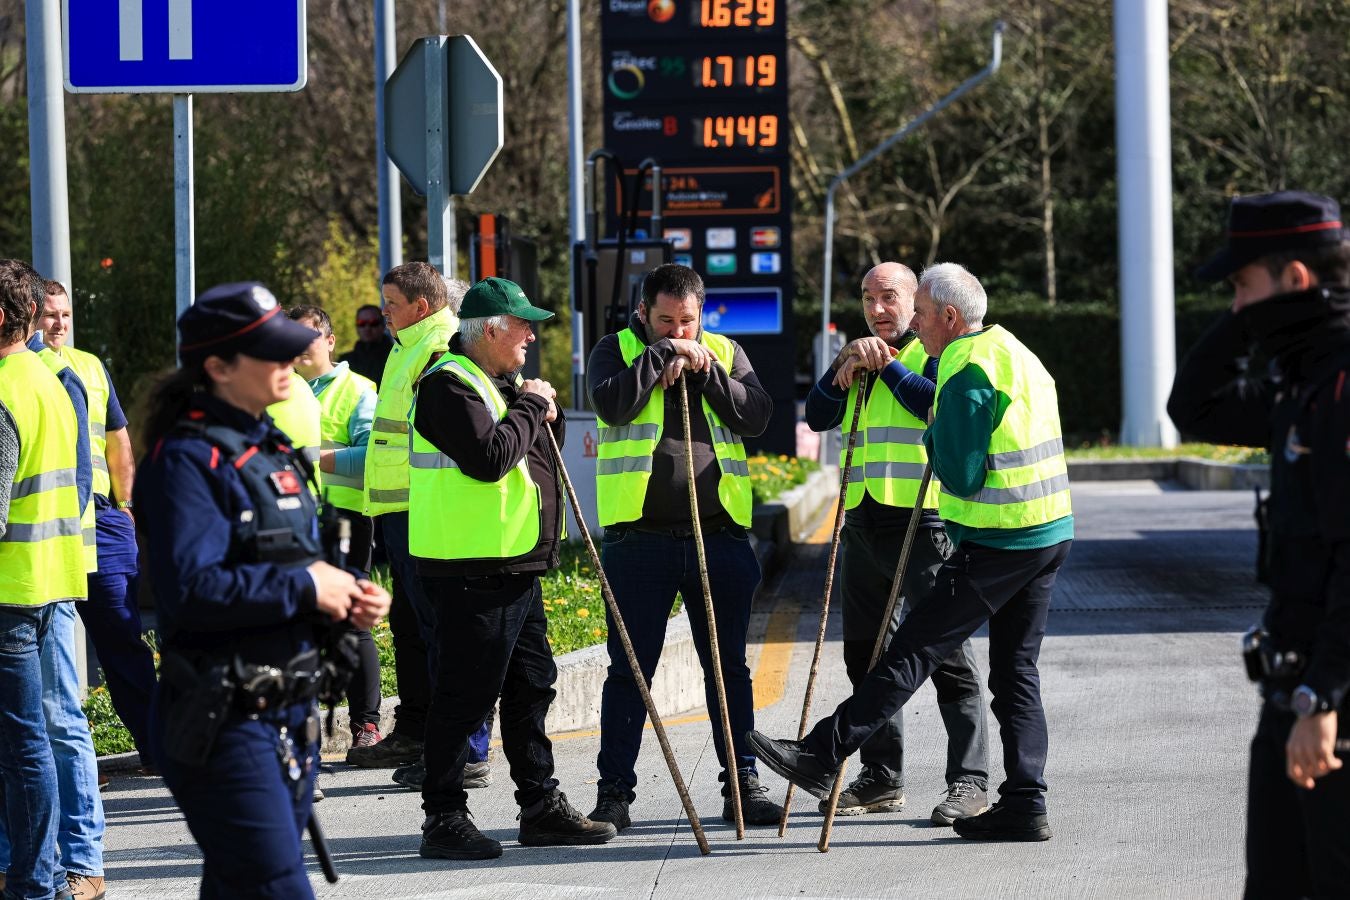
646, 570
411, 597
113, 621
1009, 589
27, 770
493, 642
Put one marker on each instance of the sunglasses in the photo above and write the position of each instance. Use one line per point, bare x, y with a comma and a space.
368, 323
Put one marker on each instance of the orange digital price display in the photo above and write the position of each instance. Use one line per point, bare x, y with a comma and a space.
726, 132
738, 13
727, 70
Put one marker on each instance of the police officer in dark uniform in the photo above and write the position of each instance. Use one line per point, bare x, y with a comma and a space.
1288, 259
244, 595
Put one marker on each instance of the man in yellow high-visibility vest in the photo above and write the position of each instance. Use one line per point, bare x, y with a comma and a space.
996, 447
883, 488
112, 615
42, 570
642, 491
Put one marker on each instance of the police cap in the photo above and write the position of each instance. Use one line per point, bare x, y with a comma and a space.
1266, 224
242, 317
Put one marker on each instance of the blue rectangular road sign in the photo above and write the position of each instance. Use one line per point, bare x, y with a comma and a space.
184, 46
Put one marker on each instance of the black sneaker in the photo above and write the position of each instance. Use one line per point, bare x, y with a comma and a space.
611, 805
794, 762
963, 801
553, 822
867, 794
756, 807
1003, 824
477, 775
412, 776
390, 753
452, 835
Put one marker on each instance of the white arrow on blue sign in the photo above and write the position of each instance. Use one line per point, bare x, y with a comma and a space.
184, 46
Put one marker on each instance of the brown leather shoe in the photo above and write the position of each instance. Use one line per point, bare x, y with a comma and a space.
85, 887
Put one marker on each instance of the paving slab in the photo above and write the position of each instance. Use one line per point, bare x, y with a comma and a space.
1149, 715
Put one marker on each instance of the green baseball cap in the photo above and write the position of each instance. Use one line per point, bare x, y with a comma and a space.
498, 297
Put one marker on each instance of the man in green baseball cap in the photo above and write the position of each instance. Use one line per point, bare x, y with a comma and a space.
495, 296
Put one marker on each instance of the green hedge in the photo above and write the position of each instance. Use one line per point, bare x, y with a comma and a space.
1079, 343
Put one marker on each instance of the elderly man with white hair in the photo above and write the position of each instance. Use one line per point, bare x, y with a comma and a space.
996, 447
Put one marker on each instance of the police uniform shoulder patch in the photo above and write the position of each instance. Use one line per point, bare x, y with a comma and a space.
286, 483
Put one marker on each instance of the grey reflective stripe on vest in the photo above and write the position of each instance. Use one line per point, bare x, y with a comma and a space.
623, 464
43, 481
90, 537
398, 495
724, 435
100, 463
1022, 493
431, 460
894, 435
735, 467
309, 453
326, 444
855, 474
98, 429
909, 470
25, 533
1015, 459
390, 426
333, 479
613, 433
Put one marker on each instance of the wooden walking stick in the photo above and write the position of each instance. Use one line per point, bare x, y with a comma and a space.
728, 744
823, 845
638, 678
844, 471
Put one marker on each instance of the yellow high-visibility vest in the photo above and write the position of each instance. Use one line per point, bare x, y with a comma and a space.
502, 518
387, 452
888, 454
299, 417
90, 369
1027, 477
41, 552
88, 526
337, 400
624, 459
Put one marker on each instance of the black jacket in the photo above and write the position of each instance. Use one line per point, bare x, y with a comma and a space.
1298, 407
452, 416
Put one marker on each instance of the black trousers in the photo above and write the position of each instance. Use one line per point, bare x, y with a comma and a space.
1009, 589
1298, 842
867, 569
363, 694
491, 637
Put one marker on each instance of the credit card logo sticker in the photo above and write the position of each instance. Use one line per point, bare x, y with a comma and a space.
721, 264
766, 263
766, 237
720, 238
684, 259
680, 238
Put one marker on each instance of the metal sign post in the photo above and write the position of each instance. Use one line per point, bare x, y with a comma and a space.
184, 216
443, 128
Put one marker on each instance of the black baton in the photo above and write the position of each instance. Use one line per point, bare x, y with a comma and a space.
321, 849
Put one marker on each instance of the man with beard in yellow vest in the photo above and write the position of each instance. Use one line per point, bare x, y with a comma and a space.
996, 447
642, 491
42, 571
883, 492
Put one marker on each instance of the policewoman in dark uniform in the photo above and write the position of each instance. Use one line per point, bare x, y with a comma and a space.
1288, 259
243, 594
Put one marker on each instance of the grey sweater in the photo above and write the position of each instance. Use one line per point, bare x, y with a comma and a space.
9, 463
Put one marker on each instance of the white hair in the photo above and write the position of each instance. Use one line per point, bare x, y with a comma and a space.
455, 289
471, 331
950, 284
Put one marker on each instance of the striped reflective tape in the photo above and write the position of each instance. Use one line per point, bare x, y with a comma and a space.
41, 482
390, 426
1015, 459
1022, 493
623, 464
32, 532
614, 433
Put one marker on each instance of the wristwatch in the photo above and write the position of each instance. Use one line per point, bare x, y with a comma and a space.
124, 504
1305, 702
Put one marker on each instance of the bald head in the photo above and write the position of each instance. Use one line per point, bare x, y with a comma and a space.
888, 300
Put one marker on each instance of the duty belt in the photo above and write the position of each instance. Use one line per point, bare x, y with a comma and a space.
259, 688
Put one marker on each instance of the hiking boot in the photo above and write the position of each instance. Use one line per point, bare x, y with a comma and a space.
867, 794
367, 735
318, 793
412, 776
963, 801
756, 807
452, 835
85, 887
1003, 824
611, 805
794, 762
477, 775
553, 822
389, 753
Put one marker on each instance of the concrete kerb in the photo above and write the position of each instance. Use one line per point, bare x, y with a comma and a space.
678, 685
1190, 472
